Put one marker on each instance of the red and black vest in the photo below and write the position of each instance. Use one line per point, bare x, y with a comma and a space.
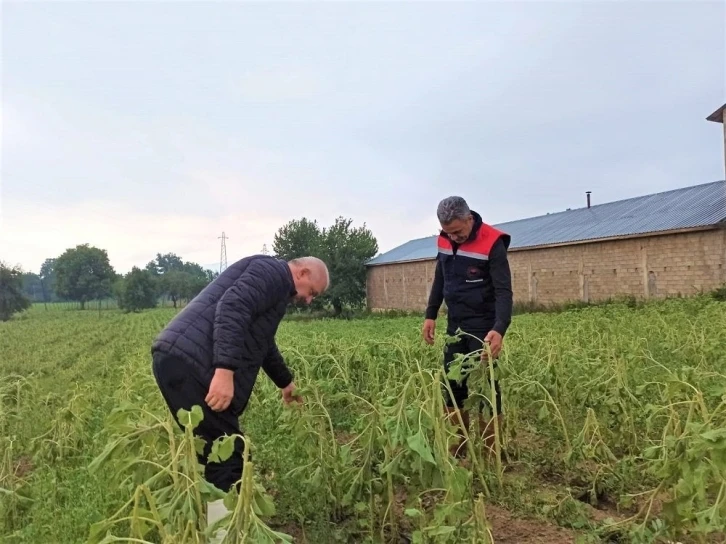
468, 289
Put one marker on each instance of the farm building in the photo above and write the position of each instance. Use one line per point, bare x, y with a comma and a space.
664, 244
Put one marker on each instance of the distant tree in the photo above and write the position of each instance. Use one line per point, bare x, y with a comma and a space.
84, 273
33, 287
165, 263
179, 279
298, 238
48, 279
138, 290
344, 249
198, 279
12, 298
175, 285
117, 290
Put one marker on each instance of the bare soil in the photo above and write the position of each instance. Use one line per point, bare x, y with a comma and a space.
508, 529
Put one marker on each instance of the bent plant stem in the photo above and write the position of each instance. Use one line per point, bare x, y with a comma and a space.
192, 452
467, 437
495, 419
242, 514
568, 446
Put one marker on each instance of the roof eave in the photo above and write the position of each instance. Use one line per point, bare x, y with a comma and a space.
717, 116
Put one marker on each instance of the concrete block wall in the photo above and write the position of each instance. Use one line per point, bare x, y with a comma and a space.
654, 266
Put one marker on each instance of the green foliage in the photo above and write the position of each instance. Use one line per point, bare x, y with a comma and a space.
609, 412
84, 273
179, 279
298, 238
137, 291
346, 251
12, 297
719, 293
343, 248
48, 279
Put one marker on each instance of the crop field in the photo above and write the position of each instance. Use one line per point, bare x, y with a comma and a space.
615, 431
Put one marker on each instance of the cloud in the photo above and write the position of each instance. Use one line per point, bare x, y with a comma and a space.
31, 232
159, 141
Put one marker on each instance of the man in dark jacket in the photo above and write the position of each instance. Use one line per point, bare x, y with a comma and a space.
473, 277
210, 353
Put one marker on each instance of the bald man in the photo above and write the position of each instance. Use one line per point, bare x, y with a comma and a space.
211, 352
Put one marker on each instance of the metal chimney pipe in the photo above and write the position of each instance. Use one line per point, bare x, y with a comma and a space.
588, 197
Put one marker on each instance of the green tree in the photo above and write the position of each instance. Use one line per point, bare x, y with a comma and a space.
139, 290
175, 285
84, 273
165, 263
33, 287
12, 298
117, 290
298, 238
344, 249
47, 280
179, 279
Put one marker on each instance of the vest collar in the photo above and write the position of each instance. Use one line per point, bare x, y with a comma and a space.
478, 222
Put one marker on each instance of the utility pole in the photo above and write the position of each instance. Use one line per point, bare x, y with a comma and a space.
223, 253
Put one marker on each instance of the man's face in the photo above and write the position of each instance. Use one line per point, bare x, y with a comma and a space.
459, 229
308, 285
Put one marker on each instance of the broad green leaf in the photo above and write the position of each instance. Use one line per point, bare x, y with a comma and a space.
417, 443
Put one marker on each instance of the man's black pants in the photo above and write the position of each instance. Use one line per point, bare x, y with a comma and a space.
472, 341
182, 386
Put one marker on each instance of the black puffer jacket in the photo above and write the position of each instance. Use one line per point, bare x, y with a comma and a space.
232, 324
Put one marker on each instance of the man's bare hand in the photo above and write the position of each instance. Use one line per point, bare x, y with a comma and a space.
288, 394
221, 390
494, 339
429, 331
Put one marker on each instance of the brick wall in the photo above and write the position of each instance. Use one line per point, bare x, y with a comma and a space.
654, 266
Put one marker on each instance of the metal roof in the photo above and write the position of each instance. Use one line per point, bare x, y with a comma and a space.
690, 207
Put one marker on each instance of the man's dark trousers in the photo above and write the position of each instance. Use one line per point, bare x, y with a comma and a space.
470, 342
182, 386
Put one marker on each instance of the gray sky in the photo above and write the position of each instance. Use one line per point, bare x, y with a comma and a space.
144, 127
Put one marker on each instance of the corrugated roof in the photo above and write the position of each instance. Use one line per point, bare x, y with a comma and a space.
690, 207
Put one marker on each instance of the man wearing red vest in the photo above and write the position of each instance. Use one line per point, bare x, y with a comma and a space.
473, 277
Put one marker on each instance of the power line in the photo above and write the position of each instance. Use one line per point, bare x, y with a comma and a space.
223, 253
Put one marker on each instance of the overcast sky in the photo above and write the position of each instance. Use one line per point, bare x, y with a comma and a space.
145, 127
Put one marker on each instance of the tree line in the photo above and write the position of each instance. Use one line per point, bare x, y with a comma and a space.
83, 274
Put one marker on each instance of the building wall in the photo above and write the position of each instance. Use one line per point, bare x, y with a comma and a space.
654, 266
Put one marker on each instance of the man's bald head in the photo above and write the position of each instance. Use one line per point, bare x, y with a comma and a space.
311, 278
